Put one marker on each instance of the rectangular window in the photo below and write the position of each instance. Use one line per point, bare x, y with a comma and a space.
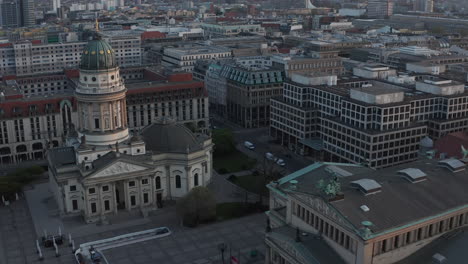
107, 205
72, 188
145, 198
144, 181
131, 184
133, 200
74, 205
93, 208
92, 190
105, 188
96, 123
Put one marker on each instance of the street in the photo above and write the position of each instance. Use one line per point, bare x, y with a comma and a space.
263, 144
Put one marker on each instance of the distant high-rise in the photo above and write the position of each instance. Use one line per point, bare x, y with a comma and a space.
309, 5
28, 17
56, 5
423, 6
379, 8
10, 14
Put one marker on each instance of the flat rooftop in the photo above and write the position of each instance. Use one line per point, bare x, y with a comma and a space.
200, 50
378, 90
398, 203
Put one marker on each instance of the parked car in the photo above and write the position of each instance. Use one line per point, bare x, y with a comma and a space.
281, 162
249, 145
269, 156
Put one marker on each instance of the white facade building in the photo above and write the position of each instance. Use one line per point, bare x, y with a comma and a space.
102, 169
185, 58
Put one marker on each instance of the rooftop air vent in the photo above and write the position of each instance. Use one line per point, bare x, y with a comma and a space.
454, 165
413, 175
367, 186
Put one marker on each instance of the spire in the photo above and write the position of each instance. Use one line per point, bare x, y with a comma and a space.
97, 24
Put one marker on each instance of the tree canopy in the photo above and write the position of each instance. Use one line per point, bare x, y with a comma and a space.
224, 142
13, 182
198, 206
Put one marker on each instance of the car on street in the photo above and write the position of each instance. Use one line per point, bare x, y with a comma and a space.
249, 145
269, 156
280, 162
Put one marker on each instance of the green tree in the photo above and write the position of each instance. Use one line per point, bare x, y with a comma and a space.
224, 142
13, 182
198, 206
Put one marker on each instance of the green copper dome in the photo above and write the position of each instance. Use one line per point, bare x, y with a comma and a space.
98, 55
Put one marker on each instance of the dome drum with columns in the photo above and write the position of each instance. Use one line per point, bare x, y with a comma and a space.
101, 96
104, 170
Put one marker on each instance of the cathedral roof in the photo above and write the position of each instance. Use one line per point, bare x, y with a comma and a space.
169, 137
98, 55
62, 156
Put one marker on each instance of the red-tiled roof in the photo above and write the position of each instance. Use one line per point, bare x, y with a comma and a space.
21, 107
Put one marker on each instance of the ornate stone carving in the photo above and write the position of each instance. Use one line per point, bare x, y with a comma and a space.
119, 168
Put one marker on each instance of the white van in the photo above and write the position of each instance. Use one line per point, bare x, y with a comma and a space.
269, 156
249, 145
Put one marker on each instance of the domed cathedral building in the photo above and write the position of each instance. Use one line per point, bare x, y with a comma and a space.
103, 169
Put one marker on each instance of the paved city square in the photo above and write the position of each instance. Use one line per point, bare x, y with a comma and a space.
186, 245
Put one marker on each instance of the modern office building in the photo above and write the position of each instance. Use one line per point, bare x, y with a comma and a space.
366, 121
353, 214
28, 16
423, 6
379, 8
185, 57
103, 168
56, 4
17, 13
11, 16
226, 29
319, 62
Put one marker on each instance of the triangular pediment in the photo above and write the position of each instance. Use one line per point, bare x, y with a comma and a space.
118, 168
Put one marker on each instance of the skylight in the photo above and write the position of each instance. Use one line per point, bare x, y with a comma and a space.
452, 164
413, 175
367, 186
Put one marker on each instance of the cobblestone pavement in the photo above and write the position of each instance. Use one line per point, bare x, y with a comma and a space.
185, 245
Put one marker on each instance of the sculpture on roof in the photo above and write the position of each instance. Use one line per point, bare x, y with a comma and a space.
464, 152
330, 188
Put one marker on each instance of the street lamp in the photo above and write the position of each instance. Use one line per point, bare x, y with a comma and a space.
222, 247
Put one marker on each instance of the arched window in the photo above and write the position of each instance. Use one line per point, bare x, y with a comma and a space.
195, 179
158, 183
178, 182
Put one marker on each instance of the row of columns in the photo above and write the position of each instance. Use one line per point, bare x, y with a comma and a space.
152, 192
86, 111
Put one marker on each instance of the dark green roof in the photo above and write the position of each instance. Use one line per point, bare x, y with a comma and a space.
98, 55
